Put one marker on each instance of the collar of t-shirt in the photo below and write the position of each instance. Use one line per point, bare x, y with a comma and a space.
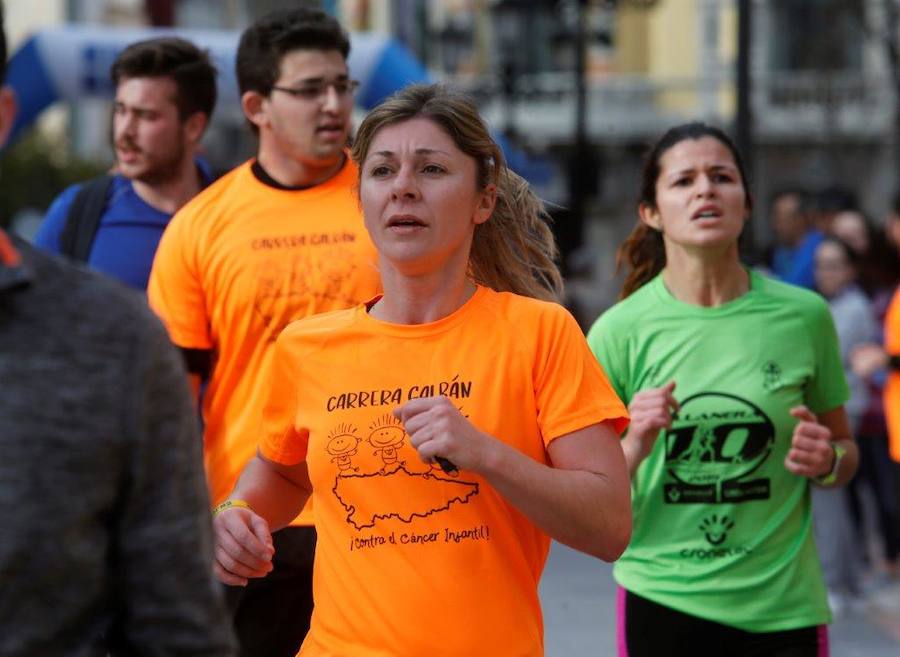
263, 176
13, 272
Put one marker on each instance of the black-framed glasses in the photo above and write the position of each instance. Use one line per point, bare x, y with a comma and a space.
318, 90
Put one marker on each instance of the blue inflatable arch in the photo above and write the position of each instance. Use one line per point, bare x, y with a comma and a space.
72, 62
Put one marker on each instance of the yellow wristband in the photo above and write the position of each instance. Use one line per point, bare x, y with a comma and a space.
227, 504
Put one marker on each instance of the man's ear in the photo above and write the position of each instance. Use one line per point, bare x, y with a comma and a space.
194, 127
254, 105
650, 216
8, 108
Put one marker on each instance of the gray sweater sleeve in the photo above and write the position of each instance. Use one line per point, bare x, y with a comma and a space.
169, 600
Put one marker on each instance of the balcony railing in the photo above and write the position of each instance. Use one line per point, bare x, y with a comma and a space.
629, 107
822, 105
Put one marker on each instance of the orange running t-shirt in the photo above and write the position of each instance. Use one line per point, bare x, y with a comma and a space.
411, 561
892, 386
233, 268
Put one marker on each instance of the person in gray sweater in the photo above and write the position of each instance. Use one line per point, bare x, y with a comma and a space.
839, 548
106, 546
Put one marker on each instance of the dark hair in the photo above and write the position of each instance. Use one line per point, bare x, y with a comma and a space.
642, 251
852, 257
803, 196
514, 251
895, 204
171, 57
835, 198
268, 40
878, 268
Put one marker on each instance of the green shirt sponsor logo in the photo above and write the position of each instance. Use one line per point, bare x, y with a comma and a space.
715, 444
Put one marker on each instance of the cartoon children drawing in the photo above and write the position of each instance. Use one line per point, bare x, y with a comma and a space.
387, 437
342, 444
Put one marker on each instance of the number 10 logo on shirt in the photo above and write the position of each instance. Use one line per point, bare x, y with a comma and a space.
716, 443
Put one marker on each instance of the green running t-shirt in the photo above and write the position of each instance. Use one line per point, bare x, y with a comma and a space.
722, 530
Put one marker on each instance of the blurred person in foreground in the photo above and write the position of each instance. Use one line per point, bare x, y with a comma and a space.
107, 544
278, 238
735, 389
446, 430
165, 96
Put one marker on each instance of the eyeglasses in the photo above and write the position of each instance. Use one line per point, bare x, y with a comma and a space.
313, 91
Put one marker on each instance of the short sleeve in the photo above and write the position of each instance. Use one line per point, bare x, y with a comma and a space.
602, 342
50, 232
281, 439
175, 290
827, 388
571, 389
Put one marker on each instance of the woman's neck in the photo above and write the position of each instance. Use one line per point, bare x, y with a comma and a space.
704, 279
421, 299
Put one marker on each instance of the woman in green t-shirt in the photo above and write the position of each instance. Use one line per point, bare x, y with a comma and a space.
736, 391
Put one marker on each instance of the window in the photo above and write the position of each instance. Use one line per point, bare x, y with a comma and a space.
816, 35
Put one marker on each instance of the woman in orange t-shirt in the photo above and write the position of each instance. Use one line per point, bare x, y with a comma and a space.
445, 430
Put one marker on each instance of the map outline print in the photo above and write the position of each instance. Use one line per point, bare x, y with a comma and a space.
471, 488
295, 281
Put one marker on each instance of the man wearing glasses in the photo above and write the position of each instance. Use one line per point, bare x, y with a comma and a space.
278, 238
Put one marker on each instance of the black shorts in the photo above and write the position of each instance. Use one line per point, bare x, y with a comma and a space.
648, 629
271, 614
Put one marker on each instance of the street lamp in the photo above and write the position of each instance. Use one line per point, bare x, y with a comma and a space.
509, 28
584, 159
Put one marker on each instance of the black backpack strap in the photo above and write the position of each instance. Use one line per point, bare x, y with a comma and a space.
83, 219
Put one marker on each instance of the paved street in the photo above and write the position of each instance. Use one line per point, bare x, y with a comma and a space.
578, 595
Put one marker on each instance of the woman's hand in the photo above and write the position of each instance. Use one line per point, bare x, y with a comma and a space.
243, 546
436, 428
811, 454
651, 412
581, 498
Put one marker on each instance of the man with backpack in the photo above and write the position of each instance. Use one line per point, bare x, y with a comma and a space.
165, 95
